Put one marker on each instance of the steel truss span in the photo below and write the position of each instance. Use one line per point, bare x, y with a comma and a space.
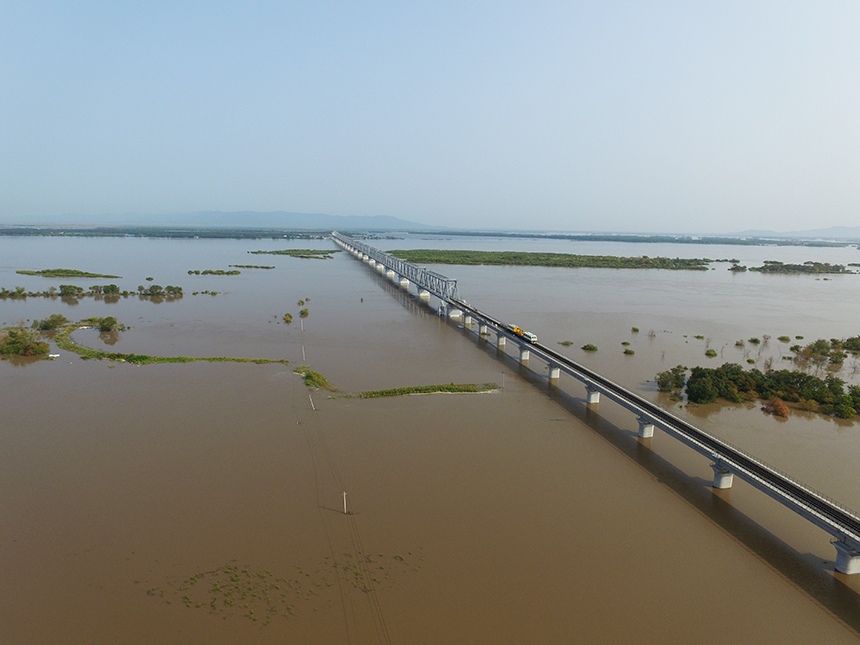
439, 285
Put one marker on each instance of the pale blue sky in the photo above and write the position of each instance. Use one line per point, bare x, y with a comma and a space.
686, 116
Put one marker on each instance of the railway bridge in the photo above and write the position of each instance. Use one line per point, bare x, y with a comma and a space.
727, 461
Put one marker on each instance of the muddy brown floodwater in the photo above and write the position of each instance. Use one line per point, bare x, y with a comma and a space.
203, 503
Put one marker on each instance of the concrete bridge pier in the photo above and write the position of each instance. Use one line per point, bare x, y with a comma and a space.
423, 294
467, 321
483, 330
847, 557
501, 340
390, 274
404, 283
592, 395
380, 267
646, 428
371, 262
456, 314
554, 372
723, 477
524, 354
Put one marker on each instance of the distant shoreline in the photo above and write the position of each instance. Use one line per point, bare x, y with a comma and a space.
217, 232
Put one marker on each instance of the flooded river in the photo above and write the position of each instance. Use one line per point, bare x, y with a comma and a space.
204, 502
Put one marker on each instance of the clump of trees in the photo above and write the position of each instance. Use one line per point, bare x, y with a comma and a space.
821, 351
109, 292
213, 272
52, 322
19, 341
733, 383
774, 266
169, 292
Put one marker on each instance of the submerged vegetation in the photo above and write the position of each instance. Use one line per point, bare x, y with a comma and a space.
234, 591
565, 260
19, 341
252, 266
66, 273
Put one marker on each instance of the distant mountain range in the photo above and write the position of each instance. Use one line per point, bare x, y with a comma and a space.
234, 219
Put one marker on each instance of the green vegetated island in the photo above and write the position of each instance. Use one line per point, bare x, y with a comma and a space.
774, 266
317, 381
307, 254
214, 272
731, 382
571, 260
568, 260
66, 273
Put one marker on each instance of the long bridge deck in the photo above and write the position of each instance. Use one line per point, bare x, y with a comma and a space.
836, 519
